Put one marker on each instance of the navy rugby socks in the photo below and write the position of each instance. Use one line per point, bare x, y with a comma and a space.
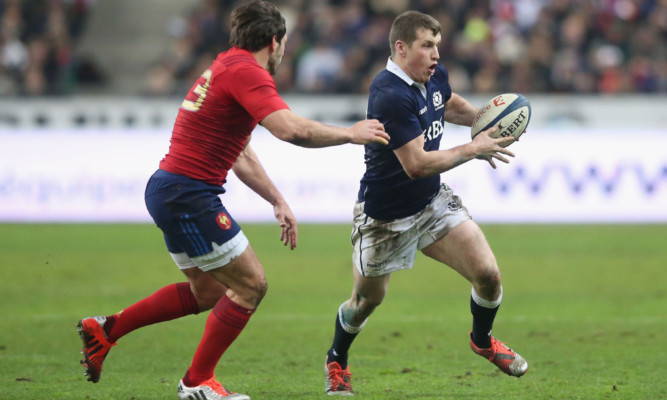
341, 344
483, 313
343, 337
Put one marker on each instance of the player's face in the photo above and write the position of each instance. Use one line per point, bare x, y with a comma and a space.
422, 57
277, 56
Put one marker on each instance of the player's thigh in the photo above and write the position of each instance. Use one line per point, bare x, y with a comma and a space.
466, 250
244, 276
242, 279
205, 287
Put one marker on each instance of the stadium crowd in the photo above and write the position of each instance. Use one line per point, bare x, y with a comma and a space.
38, 47
337, 46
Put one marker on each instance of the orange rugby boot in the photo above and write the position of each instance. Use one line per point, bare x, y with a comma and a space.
509, 361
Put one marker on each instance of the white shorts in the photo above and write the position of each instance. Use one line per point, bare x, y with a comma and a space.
382, 247
220, 256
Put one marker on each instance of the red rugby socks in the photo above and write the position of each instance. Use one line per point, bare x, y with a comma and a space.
224, 324
170, 302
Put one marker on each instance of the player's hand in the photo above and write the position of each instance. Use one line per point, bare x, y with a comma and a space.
369, 131
489, 148
289, 233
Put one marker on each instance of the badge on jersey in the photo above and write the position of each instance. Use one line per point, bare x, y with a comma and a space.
437, 100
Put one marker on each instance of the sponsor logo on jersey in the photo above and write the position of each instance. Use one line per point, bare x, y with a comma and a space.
436, 129
423, 110
224, 222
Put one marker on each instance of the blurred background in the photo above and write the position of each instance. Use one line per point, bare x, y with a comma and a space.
89, 90
158, 48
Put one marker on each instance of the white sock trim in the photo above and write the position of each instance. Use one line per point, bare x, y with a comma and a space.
484, 302
347, 327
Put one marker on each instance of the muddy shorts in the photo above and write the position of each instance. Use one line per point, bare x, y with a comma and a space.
382, 247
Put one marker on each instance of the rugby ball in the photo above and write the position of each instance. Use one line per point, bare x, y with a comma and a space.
509, 111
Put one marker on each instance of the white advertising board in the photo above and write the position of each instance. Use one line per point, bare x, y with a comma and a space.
558, 176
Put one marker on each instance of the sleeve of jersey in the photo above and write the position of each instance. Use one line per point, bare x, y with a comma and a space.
398, 112
256, 92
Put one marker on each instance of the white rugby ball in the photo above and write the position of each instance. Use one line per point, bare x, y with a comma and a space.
509, 111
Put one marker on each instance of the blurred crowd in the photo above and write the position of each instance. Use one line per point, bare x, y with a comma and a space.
489, 46
37, 47
337, 46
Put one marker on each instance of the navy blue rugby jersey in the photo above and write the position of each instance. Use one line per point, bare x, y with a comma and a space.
398, 102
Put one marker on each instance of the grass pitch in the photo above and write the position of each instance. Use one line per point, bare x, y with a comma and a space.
585, 305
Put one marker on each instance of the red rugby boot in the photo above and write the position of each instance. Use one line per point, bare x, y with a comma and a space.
508, 360
95, 346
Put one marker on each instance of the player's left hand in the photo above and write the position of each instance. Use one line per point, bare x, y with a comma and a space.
369, 131
287, 222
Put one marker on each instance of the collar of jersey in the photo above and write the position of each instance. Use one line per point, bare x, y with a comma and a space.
396, 70
240, 51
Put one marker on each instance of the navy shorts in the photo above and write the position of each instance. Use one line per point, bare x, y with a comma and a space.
190, 214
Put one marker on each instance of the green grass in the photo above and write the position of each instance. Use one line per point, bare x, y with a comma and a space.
586, 306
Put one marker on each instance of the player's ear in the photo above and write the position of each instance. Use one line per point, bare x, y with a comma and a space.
275, 43
400, 48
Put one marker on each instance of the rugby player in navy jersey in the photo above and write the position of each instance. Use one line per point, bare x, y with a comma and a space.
403, 206
211, 135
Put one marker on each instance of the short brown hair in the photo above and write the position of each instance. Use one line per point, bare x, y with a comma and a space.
254, 25
406, 25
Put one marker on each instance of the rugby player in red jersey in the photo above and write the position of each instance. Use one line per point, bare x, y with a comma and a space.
211, 135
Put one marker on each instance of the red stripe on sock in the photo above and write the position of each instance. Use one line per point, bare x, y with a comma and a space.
187, 299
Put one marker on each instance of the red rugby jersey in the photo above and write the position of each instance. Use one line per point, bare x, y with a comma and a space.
218, 115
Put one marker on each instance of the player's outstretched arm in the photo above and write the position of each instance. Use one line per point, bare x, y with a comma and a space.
292, 128
419, 163
250, 171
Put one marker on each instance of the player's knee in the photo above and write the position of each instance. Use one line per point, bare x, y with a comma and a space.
262, 288
488, 278
366, 305
207, 299
207, 294
256, 291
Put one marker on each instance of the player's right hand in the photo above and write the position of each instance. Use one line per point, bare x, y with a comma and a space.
369, 131
289, 232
